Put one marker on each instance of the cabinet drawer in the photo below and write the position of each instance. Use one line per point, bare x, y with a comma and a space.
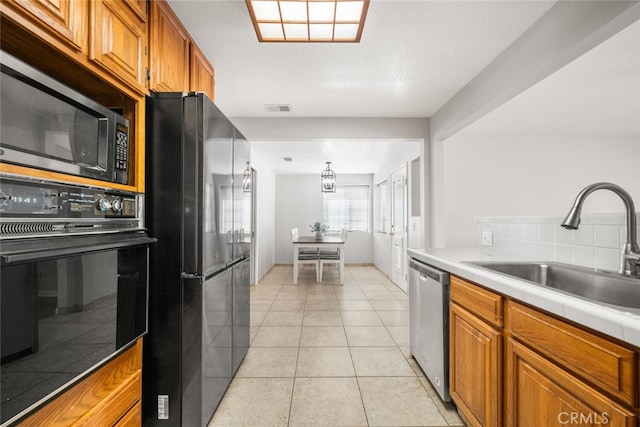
596, 360
482, 302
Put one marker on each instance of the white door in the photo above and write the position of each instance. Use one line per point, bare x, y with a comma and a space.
254, 226
399, 228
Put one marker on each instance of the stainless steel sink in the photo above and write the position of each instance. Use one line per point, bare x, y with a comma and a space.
608, 288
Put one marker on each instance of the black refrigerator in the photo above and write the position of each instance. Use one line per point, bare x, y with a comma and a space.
198, 206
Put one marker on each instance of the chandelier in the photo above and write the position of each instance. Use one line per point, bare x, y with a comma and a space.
328, 179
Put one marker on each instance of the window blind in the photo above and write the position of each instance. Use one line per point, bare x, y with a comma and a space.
347, 208
381, 213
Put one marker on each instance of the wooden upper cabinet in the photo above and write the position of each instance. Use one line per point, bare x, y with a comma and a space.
139, 7
64, 21
202, 77
169, 50
119, 39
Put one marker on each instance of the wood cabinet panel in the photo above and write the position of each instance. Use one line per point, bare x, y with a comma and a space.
103, 398
202, 78
119, 402
139, 7
118, 42
475, 368
133, 418
484, 303
539, 393
65, 20
169, 50
594, 359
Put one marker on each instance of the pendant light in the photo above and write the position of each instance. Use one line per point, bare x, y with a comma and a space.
246, 179
328, 178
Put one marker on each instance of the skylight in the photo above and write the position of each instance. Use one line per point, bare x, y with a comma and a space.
308, 20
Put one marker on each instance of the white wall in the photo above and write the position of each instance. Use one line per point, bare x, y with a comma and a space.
265, 216
298, 203
529, 177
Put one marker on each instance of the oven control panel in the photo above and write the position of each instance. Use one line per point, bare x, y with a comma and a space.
23, 199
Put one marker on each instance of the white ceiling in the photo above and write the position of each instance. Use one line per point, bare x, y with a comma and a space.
413, 57
347, 156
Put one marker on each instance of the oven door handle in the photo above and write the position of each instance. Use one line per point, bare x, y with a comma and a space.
28, 250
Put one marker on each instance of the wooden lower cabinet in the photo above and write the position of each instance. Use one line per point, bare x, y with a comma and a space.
110, 396
133, 418
539, 393
475, 368
514, 365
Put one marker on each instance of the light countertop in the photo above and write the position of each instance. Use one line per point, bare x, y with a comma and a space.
621, 323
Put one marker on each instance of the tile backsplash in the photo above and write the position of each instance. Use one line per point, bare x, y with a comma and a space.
597, 243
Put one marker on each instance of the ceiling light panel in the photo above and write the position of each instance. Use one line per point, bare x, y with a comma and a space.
293, 11
296, 31
266, 10
308, 20
349, 11
322, 11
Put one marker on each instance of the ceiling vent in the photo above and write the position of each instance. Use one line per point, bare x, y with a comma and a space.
288, 159
277, 108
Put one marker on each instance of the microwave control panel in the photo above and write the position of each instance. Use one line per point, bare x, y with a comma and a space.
20, 199
121, 157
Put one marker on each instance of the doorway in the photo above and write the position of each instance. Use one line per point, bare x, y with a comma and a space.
398, 230
253, 279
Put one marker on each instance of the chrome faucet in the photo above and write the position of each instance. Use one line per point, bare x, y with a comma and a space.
630, 256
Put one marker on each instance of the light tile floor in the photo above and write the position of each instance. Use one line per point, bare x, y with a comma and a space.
330, 355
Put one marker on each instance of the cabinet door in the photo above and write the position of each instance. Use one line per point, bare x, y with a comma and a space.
202, 75
118, 40
475, 380
139, 7
539, 393
169, 50
65, 20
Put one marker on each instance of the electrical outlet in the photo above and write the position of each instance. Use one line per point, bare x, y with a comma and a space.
487, 238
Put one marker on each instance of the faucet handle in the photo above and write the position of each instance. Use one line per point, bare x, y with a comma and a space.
633, 257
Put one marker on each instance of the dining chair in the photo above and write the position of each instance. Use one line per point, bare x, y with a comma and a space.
307, 256
333, 257
335, 252
303, 250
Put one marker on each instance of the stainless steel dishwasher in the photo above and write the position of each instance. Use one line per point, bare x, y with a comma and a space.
429, 323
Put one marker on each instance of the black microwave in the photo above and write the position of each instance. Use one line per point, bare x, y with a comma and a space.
47, 125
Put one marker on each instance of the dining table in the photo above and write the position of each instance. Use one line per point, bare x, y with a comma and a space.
322, 243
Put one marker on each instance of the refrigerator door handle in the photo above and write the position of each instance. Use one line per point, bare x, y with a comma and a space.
190, 276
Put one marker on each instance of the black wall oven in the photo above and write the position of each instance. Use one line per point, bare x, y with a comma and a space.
74, 280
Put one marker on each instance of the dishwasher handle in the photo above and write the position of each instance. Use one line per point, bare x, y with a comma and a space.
429, 272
